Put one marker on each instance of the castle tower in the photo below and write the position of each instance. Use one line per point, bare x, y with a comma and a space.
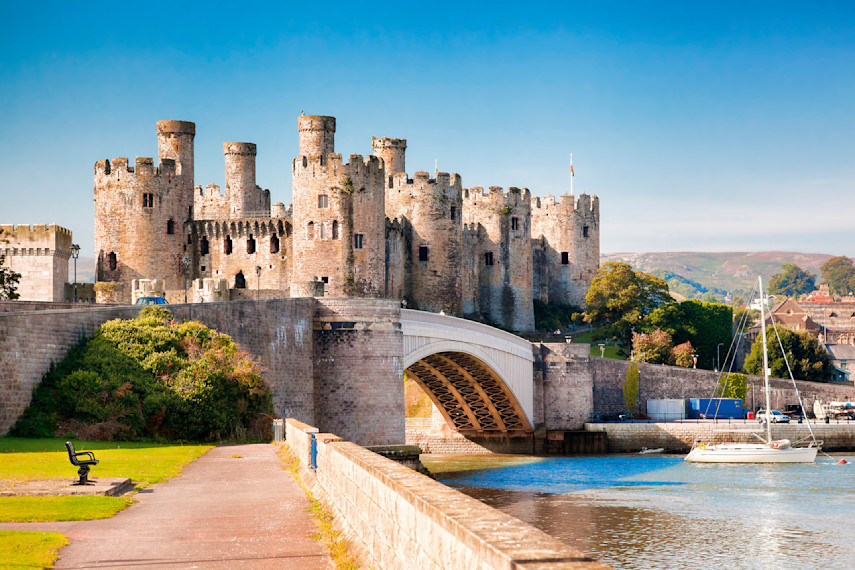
39, 252
430, 214
140, 213
317, 135
568, 231
503, 263
339, 216
242, 194
393, 152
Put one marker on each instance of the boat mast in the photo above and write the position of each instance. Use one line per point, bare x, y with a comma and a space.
765, 360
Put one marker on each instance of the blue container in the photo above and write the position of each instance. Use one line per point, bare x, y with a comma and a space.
718, 408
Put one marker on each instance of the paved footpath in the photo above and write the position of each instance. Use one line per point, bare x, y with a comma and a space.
223, 512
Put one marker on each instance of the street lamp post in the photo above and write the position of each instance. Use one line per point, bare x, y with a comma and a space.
75, 253
186, 263
257, 282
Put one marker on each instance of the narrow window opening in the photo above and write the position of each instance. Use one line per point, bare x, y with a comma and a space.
423, 253
454, 213
323, 201
585, 231
250, 244
274, 244
203, 268
310, 230
203, 246
148, 200
515, 223
240, 281
227, 245
322, 230
170, 227
189, 239
335, 229
112, 263
488, 258
326, 281
565, 258
357, 241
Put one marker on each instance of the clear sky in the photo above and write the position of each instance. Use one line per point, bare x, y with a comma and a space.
717, 126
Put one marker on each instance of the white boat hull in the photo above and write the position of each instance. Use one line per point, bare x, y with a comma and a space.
751, 453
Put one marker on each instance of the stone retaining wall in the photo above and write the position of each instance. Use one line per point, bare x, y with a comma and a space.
401, 519
627, 437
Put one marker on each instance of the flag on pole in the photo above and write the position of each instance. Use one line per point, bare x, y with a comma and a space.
572, 173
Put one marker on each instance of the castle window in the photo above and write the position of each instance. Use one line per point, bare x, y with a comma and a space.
585, 231
288, 230
565, 258
189, 238
488, 258
310, 230
274, 244
203, 268
203, 246
240, 281
170, 227
111, 261
335, 229
515, 223
323, 201
326, 281
148, 200
189, 212
227, 245
423, 253
322, 231
357, 241
250, 244
454, 213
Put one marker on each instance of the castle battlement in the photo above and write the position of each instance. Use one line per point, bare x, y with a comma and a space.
35, 239
496, 196
118, 169
332, 164
421, 182
567, 204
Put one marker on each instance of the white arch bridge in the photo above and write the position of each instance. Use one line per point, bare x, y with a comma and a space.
478, 376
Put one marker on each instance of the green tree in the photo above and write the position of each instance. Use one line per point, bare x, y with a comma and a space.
653, 347
733, 386
807, 358
620, 298
706, 325
792, 281
839, 273
8, 280
630, 387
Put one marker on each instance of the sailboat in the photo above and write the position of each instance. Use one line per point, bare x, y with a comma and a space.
768, 450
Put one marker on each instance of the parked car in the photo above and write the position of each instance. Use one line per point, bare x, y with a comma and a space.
774, 416
152, 301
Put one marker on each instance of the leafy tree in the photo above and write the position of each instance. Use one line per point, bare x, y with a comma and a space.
630, 387
620, 298
148, 377
745, 318
733, 386
654, 347
8, 280
808, 359
792, 281
704, 324
683, 355
839, 273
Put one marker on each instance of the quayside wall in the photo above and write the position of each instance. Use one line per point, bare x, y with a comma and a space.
398, 518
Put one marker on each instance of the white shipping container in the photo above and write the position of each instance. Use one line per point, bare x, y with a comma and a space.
666, 410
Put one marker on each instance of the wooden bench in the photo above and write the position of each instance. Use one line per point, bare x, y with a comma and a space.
83, 464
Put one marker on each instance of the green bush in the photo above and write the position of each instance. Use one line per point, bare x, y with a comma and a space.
150, 378
554, 316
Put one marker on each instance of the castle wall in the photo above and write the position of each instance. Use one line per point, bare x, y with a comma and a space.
393, 153
566, 233
503, 266
252, 243
433, 238
397, 239
40, 254
140, 211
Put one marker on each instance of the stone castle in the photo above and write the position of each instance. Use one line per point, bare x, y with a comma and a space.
361, 228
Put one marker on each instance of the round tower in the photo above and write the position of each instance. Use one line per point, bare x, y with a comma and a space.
393, 152
241, 192
317, 135
175, 141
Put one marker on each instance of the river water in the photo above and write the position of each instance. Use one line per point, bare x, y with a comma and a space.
656, 511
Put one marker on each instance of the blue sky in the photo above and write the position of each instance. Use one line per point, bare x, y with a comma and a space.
714, 127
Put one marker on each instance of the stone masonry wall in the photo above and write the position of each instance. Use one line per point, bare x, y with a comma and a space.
401, 519
359, 386
40, 253
564, 386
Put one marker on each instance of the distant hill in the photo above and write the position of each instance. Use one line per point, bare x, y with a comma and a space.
700, 274
85, 270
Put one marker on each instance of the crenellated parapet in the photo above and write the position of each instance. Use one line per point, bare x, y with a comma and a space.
393, 152
39, 252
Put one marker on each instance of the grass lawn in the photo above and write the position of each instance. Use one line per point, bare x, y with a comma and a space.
39, 509
612, 352
23, 549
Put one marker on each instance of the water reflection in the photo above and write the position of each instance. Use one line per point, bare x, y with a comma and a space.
659, 512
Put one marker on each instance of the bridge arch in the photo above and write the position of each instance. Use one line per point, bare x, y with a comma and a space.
479, 377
